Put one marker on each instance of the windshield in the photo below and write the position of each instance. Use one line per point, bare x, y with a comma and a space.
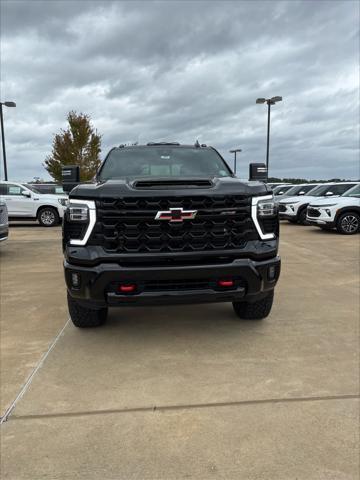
163, 161
319, 191
299, 188
32, 188
281, 188
353, 192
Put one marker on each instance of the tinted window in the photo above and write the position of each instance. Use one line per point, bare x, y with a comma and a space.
353, 192
320, 190
280, 188
3, 189
164, 161
340, 189
32, 188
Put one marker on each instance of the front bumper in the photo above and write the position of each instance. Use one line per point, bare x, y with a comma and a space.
289, 213
96, 282
322, 216
320, 222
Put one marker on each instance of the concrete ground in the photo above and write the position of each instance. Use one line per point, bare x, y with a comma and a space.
182, 392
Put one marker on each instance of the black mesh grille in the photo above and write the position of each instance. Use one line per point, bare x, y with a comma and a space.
282, 208
129, 225
313, 213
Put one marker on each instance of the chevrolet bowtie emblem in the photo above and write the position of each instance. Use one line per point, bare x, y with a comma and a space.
176, 215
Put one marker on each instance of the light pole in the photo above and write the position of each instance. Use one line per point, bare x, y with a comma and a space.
234, 151
269, 101
7, 104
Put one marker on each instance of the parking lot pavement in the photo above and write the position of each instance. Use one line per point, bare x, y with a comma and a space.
32, 302
186, 392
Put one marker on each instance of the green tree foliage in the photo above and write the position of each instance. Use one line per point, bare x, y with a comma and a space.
79, 145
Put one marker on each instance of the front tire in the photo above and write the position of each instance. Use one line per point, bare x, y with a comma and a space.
348, 223
302, 217
48, 217
83, 317
254, 310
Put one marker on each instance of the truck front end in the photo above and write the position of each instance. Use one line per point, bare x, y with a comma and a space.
156, 240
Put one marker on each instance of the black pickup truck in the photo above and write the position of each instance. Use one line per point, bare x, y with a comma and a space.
165, 223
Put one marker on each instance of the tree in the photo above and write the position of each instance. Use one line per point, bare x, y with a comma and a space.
79, 145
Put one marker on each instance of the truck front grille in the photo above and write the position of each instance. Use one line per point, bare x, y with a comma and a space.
129, 225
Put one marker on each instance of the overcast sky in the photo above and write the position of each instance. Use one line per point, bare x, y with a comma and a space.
181, 71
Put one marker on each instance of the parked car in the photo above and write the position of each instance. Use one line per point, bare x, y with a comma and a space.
296, 190
293, 209
49, 188
25, 202
342, 213
4, 221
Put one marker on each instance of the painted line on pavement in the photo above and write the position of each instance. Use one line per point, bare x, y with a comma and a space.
7, 413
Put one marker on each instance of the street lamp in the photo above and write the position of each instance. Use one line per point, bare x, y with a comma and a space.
234, 151
6, 104
269, 101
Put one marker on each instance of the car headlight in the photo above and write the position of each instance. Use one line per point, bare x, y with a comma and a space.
63, 201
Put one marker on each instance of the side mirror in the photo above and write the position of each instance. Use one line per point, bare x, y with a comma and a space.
258, 171
70, 177
301, 193
25, 193
280, 193
328, 194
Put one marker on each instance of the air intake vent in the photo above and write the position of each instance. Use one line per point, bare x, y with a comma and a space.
171, 184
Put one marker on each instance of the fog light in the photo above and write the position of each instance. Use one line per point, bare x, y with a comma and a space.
127, 288
271, 272
225, 283
75, 280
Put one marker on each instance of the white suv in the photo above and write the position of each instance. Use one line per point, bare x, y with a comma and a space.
342, 213
25, 202
294, 208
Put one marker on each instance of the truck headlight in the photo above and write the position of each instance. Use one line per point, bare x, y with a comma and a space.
78, 213
63, 201
264, 212
80, 220
266, 208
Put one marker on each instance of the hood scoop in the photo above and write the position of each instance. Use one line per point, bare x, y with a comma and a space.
168, 184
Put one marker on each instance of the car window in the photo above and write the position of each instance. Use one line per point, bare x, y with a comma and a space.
14, 189
280, 188
353, 192
3, 189
340, 189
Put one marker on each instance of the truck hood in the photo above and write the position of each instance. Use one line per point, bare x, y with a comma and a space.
164, 186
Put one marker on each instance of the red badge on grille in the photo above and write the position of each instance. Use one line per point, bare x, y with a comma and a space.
176, 215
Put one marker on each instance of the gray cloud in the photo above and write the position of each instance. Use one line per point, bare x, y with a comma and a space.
168, 70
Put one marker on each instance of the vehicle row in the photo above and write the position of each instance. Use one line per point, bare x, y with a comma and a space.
328, 206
